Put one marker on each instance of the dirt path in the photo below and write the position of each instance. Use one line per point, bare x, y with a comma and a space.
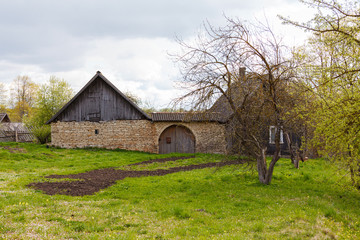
93, 181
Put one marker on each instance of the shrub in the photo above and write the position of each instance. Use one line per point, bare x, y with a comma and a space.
42, 133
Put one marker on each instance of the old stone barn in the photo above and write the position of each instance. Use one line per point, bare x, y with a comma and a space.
100, 115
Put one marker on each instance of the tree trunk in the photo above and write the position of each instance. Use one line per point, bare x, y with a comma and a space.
295, 154
265, 174
296, 162
262, 167
291, 149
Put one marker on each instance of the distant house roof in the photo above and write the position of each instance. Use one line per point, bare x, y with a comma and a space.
222, 107
249, 84
12, 126
99, 75
4, 118
187, 117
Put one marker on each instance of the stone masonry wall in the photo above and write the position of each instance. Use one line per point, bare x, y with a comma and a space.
138, 135
135, 135
209, 136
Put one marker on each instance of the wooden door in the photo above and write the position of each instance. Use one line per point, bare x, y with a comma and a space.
176, 139
94, 107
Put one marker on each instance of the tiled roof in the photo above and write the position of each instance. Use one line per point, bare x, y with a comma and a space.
186, 117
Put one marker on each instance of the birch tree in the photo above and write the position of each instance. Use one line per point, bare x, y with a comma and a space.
22, 97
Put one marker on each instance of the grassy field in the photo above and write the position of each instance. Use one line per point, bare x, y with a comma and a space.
313, 202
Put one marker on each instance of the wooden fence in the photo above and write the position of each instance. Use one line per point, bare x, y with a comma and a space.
15, 132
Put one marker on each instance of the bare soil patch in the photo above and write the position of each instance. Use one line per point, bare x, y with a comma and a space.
161, 160
15, 149
91, 182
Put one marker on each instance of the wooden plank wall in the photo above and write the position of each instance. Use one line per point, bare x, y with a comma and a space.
100, 102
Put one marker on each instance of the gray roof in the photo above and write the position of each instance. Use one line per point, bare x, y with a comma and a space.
12, 126
186, 117
4, 117
222, 107
250, 83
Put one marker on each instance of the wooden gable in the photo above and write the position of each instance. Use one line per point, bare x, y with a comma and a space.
99, 100
4, 118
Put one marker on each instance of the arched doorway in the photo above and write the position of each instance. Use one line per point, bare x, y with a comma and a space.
176, 139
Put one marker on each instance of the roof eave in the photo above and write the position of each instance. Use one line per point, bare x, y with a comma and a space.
124, 96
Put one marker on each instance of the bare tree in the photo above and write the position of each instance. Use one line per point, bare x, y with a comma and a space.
23, 94
213, 70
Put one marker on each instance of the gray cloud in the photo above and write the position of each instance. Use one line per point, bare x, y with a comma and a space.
135, 18
54, 34
81, 36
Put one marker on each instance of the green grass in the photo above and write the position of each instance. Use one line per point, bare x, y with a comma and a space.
313, 202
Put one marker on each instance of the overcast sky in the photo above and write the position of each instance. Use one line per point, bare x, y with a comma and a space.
127, 41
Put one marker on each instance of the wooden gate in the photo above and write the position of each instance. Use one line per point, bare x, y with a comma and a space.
177, 139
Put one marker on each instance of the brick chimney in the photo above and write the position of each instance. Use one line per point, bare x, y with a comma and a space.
242, 72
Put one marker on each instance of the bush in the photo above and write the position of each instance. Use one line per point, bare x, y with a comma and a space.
42, 133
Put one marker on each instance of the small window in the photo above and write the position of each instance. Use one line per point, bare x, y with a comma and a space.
94, 117
96, 131
168, 140
272, 133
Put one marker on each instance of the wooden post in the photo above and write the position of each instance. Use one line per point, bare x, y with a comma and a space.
16, 135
